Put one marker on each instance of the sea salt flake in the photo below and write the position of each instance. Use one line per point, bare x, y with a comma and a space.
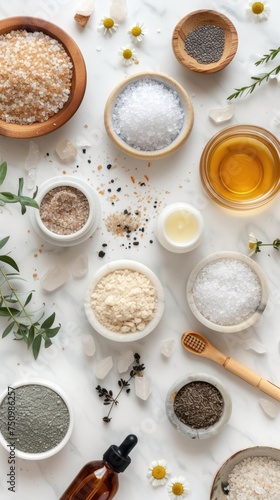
220, 115
66, 150
80, 266
33, 156
85, 7
167, 347
125, 360
88, 345
103, 367
118, 10
83, 142
268, 407
54, 278
142, 387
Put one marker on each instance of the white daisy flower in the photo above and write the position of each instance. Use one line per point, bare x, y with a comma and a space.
127, 55
107, 24
137, 31
158, 472
178, 488
257, 11
252, 244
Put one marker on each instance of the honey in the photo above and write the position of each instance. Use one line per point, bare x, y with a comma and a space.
181, 226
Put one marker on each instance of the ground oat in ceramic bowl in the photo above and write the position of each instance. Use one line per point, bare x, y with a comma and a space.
125, 301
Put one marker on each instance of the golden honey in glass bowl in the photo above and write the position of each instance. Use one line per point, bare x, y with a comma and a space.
240, 167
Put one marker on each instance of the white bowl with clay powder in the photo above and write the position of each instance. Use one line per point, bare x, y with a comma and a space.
227, 291
124, 301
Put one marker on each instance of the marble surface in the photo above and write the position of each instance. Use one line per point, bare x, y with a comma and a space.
147, 187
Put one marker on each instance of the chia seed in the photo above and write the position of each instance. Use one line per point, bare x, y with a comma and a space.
205, 43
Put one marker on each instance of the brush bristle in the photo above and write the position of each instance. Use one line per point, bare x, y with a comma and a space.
194, 343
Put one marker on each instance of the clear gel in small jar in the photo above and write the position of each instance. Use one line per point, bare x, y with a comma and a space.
180, 227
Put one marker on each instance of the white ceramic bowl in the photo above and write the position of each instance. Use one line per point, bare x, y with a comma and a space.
89, 227
260, 276
186, 430
219, 486
12, 430
117, 336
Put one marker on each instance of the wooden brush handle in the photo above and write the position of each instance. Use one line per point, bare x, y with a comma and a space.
252, 378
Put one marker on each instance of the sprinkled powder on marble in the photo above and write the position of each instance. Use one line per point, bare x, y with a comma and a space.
148, 115
41, 419
255, 478
206, 43
227, 291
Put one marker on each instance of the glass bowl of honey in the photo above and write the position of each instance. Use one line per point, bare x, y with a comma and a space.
240, 167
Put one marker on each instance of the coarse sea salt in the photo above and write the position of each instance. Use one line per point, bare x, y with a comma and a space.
148, 115
253, 478
227, 291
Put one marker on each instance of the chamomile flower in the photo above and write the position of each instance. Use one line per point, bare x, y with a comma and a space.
108, 25
127, 55
158, 472
137, 31
252, 244
257, 11
178, 488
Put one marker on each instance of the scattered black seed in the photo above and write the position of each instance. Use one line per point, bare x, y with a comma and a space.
84, 151
142, 184
135, 238
77, 166
101, 254
135, 243
47, 154
109, 166
119, 189
112, 181
151, 241
109, 190
146, 220
205, 43
89, 161
125, 211
104, 244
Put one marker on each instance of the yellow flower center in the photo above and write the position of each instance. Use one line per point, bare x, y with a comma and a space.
177, 489
108, 23
158, 472
257, 7
127, 54
136, 31
251, 245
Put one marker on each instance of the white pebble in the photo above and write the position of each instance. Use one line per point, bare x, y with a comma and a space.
54, 278
103, 367
167, 347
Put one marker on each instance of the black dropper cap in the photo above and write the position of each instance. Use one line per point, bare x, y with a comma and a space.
117, 456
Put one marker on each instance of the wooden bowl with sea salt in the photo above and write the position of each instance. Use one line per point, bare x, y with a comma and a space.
46, 74
148, 116
205, 41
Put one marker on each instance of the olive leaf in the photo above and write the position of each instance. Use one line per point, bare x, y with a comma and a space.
7, 197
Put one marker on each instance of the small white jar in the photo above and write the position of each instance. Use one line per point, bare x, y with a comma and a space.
77, 236
179, 227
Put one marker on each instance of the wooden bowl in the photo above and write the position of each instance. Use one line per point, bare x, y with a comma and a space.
78, 84
177, 142
200, 18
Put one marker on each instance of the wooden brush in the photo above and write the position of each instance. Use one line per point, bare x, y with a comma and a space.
197, 344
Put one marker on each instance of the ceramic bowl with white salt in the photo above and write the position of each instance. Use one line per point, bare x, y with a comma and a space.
227, 291
36, 419
149, 116
124, 301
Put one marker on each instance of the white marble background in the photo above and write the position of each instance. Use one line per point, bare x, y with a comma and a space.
173, 179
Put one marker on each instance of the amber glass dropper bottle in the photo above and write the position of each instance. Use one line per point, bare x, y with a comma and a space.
98, 480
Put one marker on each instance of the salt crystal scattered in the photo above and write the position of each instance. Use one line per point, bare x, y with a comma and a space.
33, 156
268, 407
54, 278
118, 10
103, 367
80, 266
99, 48
125, 360
86, 7
254, 345
31, 178
221, 115
66, 150
142, 387
83, 142
167, 347
88, 345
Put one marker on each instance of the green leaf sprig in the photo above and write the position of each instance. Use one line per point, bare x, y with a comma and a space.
6, 197
257, 80
18, 316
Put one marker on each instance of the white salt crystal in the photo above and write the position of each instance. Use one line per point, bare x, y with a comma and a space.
33, 156
118, 10
142, 387
221, 115
66, 150
82, 142
80, 266
31, 178
167, 347
54, 278
268, 407
86, 7
125, 360
103, 367
88, 345
254, 345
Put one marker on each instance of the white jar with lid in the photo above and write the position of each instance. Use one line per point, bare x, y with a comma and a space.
180, 227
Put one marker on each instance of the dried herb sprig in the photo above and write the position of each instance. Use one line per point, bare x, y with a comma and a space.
6, 197
257, 80
108, 396
19, 317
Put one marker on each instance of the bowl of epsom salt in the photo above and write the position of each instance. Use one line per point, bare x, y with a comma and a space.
227, 291
148, 116
249, 473
36, 419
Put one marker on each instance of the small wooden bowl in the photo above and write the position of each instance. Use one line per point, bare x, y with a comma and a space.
193, 21
78, 84
177, 142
